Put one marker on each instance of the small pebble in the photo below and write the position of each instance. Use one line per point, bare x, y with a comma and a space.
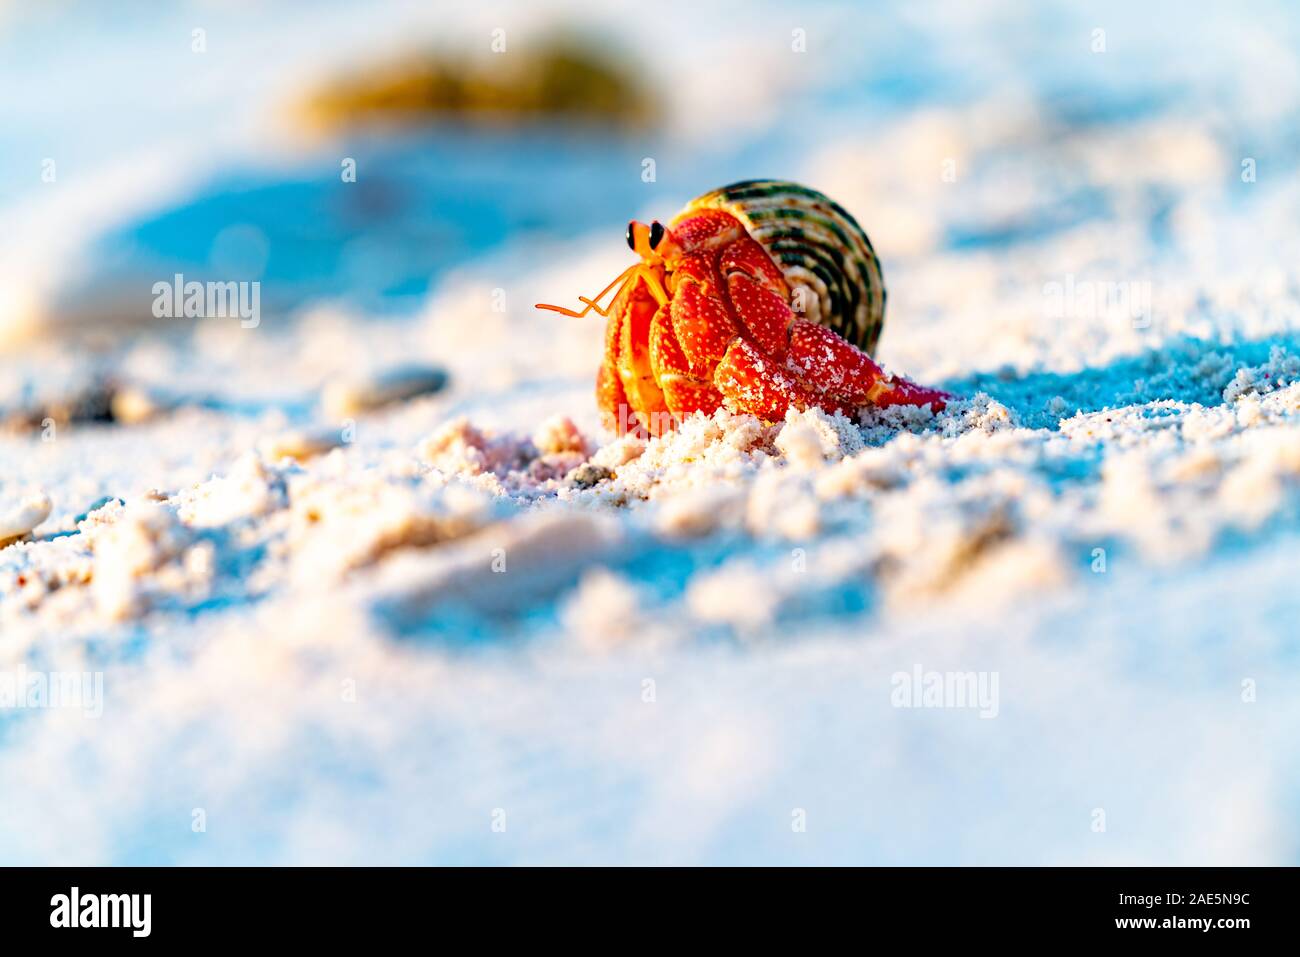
348, 397
588, 475
300, 444
20, 514
88, 405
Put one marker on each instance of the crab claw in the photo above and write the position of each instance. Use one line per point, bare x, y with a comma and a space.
898, 391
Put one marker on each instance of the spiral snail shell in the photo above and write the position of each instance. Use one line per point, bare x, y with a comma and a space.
819, 247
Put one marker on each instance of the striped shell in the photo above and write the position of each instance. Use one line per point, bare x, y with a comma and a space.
819, 247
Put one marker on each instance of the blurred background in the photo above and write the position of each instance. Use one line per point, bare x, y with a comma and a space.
211, 138
404, 180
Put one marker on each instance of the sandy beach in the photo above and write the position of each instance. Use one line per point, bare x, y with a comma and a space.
368, 581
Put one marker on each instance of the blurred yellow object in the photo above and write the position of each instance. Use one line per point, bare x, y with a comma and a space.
563, 78
21, 316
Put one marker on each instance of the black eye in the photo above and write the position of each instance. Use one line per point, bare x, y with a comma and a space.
656, 233
631, 240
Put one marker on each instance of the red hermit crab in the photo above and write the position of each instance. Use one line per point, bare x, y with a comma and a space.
760, 296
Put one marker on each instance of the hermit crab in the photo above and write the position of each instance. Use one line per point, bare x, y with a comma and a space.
761, 296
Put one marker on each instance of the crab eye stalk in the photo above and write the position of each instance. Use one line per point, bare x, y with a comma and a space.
656, 233
631, 237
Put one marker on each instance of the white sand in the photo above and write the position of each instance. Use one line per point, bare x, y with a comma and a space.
659, 652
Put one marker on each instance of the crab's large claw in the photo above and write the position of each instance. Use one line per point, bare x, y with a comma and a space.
687, 387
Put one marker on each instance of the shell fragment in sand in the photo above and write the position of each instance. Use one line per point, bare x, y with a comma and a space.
347, 397
19, 514
300, 444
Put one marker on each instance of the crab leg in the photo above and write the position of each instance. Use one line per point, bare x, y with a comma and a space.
837, 367
759, 295
627, 370
701, 321
634, 275
611, 398
752, 382
766, 316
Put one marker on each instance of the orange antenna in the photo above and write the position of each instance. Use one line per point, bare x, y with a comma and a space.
592, 303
